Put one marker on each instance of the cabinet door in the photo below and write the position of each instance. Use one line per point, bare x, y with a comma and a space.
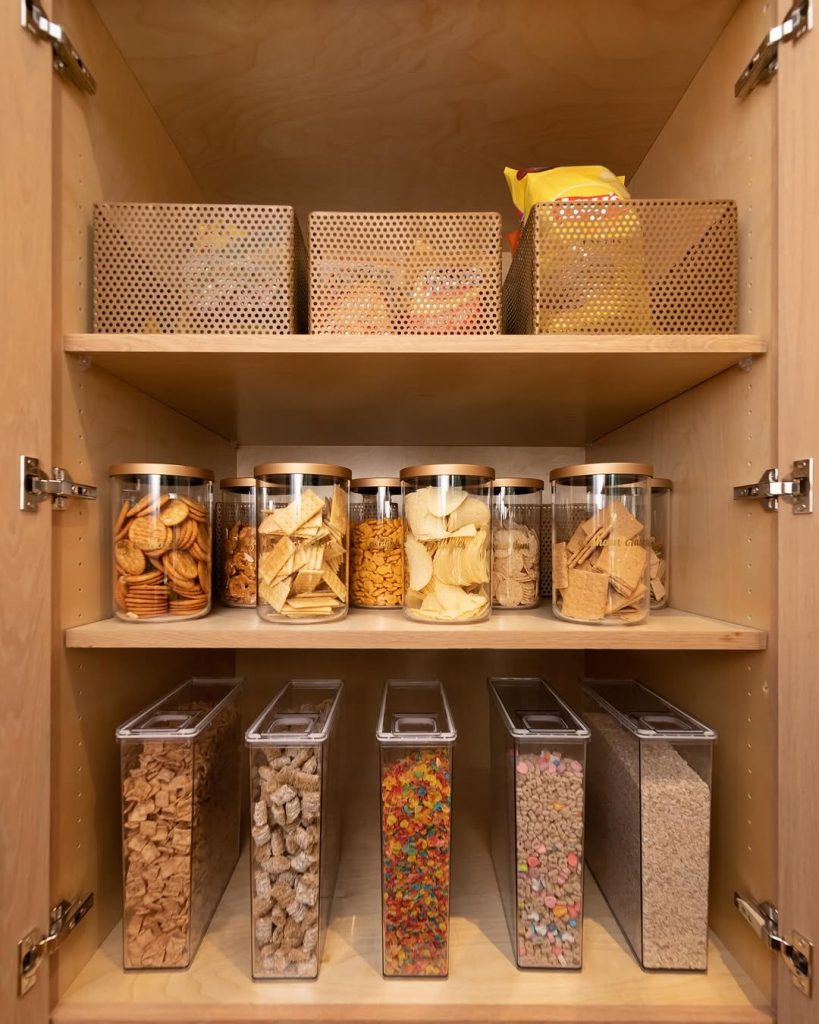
25, 539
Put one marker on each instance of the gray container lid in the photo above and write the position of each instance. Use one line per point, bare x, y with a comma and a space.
644, 713
531, 709
184, 713
415, 714
301, 714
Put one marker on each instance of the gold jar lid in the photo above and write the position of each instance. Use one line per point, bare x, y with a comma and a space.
603, 468
237, 483
302, 469
159, 469
661, 483
448, 469
518, 483
369, 483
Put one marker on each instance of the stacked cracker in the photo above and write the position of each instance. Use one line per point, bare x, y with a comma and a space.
239, 582
302, 570
515, 566
601, 571
657, 573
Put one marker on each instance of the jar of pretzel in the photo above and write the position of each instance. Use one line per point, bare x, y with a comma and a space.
161, 540
235, 547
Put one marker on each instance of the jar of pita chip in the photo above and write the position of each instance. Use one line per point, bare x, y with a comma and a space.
659, 574
376, 543
517, 506
302, 541
235, 548
601, 543
162, 541
447, 533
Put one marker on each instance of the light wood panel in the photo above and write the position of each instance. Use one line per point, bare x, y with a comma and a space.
465, 390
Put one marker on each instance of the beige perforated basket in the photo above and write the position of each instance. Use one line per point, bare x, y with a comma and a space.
405, 273
647, 266
176, 268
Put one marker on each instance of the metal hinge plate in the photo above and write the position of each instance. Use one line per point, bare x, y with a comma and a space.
67, 61
765, 62
33, 948
796, 951
798, 489
36, 486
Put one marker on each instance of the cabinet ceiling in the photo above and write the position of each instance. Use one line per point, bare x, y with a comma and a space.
407, 104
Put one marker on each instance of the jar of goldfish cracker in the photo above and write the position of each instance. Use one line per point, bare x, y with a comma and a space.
235, 554
376, 543
161, 538
447, 530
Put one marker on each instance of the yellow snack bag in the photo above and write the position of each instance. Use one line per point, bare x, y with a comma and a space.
546, 185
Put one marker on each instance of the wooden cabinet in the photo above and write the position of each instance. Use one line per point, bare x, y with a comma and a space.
342, 104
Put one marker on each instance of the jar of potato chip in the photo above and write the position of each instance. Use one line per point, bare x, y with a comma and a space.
235, 554
517, 505
162, 541
601, 518
660, 541
376, 543
302, 515
447, 529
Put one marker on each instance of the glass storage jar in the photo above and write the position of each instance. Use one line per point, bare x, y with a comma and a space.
302, 511
660, 554
161, 541
517, 504
376, 543
649, 821
600, 542
235, 547
537, 771
416, 737
295, 827
180, 762
447, 529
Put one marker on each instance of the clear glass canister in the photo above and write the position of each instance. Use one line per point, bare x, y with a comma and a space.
660, 555
416, 737
538, 751
600, 542
162, 541
181, 810
295, 807
235, 548
517, 507
447, 529
376, 543
302, 511
649, 821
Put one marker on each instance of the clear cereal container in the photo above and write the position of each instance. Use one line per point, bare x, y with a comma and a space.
447, 529
659, 573
416, 737
295, 807
180, 762
376, 543
538, 751
235, 554
649, 821
600, 543
302, 511
517, 507
161, 539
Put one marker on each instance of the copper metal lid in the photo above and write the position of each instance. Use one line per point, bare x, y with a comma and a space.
392, 482
661, 483
607, 468
530, 483
303, 468
447, 469
160, 468
231, 483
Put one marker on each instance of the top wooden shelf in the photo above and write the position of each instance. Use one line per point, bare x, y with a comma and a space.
392, 389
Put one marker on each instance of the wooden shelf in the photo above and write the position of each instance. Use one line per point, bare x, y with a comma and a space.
535, 629
388, 389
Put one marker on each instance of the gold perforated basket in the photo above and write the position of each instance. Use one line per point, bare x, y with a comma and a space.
640, 266
176, 268
405, 273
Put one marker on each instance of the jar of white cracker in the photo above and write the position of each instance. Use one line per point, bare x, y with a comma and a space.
659, 570
517, 506
601, 543
302, 515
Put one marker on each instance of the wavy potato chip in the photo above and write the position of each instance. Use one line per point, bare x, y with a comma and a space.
419, 563
442, 501
471, 511
422, 523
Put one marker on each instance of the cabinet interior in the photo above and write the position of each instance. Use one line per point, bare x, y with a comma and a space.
114, 146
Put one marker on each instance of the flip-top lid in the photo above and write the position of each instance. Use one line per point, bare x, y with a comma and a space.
182, 714
644, 713
531, 709
301, 714
415, 714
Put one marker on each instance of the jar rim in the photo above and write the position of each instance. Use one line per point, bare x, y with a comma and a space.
266, 469
661, 483
230, 483
447, 469
369, 482
607, 468
528, 483
159, 469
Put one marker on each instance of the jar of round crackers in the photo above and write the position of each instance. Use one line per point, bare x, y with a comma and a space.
659, 574
376, 543
447, 531
601, 542
302, 515
517, 507
235, 548
161, 541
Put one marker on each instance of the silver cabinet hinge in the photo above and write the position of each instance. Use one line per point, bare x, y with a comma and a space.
796, 951
36, 486
769, 488
67, 61
765, 62
33, 948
